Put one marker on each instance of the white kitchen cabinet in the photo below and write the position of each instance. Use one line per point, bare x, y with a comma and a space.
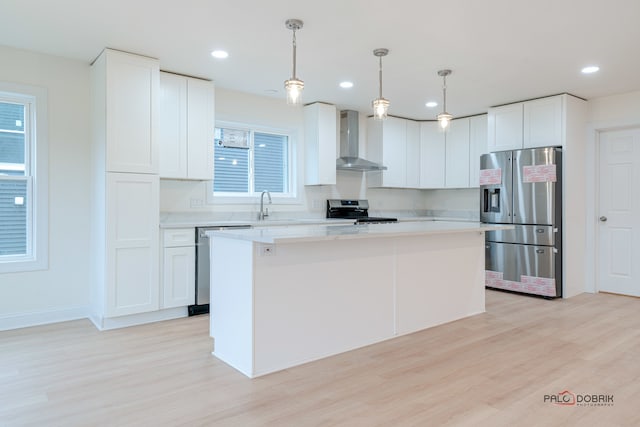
131, 241
413, 154
529, 124
127, 86
394, 143
187, 121
125, 188
477, 147
320, 127
432, 156
178, 267
457, 154
505, 125
543, 122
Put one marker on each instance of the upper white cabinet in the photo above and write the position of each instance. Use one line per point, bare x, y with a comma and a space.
187, 121
505, 127
528, 124
477, 147
543, 122
457, 154
413, 154
320, 127
125, 91
394, 143
432, 156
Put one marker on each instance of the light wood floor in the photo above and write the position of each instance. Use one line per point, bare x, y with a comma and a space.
492, 369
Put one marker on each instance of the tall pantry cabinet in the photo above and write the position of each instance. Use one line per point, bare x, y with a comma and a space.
125, 186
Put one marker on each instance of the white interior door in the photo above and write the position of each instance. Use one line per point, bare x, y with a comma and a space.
619, 212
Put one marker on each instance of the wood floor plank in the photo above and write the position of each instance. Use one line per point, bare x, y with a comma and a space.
492, 369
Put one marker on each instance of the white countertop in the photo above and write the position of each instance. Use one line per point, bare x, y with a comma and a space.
311, 233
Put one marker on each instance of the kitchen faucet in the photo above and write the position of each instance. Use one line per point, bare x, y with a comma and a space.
264, 212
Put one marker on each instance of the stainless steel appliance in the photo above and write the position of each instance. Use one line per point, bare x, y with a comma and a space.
349, 140
202, 268
523, 188
358, 210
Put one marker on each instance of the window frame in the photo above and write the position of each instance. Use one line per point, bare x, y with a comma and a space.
290, 197
36, 176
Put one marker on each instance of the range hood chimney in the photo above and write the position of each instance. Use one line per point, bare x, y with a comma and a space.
349, 159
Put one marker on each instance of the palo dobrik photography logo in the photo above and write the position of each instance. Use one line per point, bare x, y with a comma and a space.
568, 398
564, 398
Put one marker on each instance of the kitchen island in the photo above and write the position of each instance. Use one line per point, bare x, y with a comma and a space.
284, 296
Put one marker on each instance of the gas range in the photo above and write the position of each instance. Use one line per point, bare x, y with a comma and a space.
357, 210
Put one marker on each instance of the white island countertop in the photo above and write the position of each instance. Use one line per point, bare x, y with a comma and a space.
314, 233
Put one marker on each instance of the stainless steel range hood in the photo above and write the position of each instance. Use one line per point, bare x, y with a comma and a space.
349, 159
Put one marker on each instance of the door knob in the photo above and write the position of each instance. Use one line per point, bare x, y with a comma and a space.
603, 218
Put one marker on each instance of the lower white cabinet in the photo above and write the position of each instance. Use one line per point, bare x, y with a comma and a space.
178, 267
131, 241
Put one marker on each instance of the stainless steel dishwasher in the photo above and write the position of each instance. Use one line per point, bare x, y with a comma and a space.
202, 267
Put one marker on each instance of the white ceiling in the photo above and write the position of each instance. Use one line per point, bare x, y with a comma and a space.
499, 50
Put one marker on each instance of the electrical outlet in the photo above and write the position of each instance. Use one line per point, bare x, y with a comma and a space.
196, 203
268, 250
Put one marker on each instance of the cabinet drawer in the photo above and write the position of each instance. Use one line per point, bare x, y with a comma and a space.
179, 237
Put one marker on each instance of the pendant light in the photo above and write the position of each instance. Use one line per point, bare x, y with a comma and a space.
444, 118
294, 85
380, 105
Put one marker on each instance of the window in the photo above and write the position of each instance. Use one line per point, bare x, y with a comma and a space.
248, 162
23, 201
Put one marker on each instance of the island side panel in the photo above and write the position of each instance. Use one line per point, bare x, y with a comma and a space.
439, 278
231, 305
316, 299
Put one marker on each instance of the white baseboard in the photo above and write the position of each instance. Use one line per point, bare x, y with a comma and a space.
25, 320
106, 323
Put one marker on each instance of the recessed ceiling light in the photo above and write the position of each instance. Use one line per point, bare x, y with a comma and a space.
220, 54
590, 69
346, 85
431, 104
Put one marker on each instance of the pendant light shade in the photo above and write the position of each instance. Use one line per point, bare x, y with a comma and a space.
444, 118
380, 105
294, 85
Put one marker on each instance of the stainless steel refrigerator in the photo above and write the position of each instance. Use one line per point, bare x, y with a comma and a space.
523, 188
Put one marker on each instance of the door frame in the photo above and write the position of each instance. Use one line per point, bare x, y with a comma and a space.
594, 130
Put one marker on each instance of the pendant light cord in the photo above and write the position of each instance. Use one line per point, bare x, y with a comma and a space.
294, 54
444, 93
380, 75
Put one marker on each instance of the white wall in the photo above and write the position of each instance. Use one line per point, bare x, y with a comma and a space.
60, 292
606, 113
232, 106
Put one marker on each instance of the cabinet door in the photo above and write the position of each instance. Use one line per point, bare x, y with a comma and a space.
457, 154
543, 122
320, 126
132, 86
178, 278
432, 156
200, 129
477, 147
505, 127
413, 155
172, 138
132, 248
394, 152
